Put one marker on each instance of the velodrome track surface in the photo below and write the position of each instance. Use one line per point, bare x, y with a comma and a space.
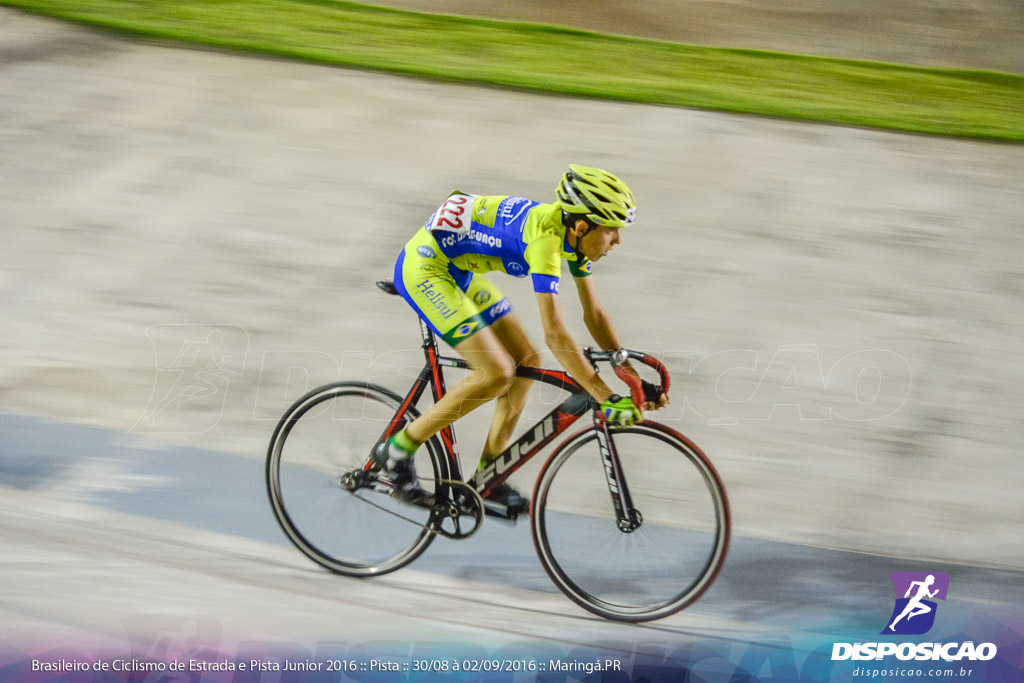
838, 307
106, 538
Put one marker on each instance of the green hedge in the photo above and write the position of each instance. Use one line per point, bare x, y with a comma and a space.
975, 104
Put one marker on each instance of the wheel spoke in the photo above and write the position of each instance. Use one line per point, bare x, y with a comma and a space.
324, 435
656, 569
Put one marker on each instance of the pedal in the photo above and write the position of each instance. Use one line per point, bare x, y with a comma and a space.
501, 511
358, 479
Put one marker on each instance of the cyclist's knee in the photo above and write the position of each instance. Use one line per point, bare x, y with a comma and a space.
499, 374
494, 368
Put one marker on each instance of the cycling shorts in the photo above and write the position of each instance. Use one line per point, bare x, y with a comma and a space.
455, 303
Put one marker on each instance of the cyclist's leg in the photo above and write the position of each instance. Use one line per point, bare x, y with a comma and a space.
509, 406
459, 307
497, 315
492, 375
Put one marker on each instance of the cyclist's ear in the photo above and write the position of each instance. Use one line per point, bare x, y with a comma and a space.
580, 228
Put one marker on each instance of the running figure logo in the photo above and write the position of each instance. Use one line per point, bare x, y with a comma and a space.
914, 613
194, 366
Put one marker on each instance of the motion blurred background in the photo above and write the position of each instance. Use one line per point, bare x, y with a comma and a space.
191, 237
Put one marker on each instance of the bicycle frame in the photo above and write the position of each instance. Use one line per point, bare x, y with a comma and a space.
555, 423
456, 512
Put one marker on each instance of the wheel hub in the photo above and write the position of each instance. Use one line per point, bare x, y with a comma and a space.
635, 521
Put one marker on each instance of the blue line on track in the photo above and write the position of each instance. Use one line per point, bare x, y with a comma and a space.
779, 585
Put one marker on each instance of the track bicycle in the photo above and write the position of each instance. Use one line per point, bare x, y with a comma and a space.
630, 523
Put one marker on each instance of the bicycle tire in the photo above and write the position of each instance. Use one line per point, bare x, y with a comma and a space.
284, 503
569, 512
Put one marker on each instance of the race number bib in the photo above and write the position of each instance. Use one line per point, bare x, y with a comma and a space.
455, 215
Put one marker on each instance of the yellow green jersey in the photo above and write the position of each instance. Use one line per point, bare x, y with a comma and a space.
509, 234
440, 270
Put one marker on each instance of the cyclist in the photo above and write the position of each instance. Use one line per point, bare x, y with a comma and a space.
440, 274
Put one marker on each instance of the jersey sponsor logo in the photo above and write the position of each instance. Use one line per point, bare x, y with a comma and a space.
513, 209
489, 240
515, 268
497, 309
553, 286
425, 252
482, 297
465, 329
434, 269
476, 236
436, 299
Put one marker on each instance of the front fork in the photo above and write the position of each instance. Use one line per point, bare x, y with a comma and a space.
629, 518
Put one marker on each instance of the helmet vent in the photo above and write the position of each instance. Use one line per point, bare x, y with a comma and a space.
596, 195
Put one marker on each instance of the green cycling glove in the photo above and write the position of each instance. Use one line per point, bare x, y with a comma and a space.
620, 411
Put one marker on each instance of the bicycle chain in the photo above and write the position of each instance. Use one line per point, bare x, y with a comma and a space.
433, 526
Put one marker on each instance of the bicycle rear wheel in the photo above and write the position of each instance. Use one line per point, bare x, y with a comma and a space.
326, 434
654, 570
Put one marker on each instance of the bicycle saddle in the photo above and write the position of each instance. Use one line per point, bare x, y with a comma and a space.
387, 286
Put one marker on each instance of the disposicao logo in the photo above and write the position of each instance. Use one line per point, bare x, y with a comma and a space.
914, 612
912, 615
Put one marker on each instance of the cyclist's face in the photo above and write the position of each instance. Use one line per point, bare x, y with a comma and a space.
598, 242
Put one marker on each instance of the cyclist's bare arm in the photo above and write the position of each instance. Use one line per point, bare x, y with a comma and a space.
594, 315
566, 350
601, 329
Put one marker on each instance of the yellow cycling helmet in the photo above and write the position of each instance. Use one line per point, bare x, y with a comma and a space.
596, 195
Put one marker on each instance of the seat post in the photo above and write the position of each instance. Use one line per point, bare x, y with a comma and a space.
428, 336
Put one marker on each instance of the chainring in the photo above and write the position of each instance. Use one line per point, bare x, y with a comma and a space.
457, 515
448, 518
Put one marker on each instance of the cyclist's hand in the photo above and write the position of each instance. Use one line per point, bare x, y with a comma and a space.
621, 411
653, 398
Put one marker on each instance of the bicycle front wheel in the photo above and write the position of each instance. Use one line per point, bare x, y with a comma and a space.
325, 435
639, 574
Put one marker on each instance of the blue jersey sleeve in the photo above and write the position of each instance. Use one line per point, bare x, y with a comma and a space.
545, 283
